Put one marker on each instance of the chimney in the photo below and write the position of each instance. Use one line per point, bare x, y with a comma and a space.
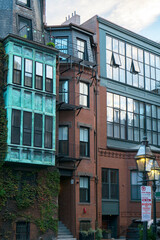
74, 18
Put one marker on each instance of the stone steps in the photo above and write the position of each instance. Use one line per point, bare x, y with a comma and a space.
64, 233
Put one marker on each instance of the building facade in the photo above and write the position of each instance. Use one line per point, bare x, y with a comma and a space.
29, 195
128, 109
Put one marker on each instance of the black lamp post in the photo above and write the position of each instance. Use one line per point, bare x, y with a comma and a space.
144, 159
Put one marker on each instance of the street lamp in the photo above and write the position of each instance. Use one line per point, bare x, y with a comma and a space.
145, 161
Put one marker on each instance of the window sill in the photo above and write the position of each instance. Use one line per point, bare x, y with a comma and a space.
85, 158
134, 201
84, 203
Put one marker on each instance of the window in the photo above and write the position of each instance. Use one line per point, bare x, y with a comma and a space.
17, 68
15, 128
49, 78
135, 67
27, 128
61, 44
84, 142
82, 49
115, 60
48, 131
24, 2
25, 28
85, 225
63, 91
28, 73
22, 231
110, 186
39, 76
63, 140
136, 182
84, 94
37, 130
84, 189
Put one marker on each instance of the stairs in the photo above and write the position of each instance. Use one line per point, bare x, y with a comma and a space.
64, 233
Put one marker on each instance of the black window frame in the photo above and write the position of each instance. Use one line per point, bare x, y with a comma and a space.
64, 95
63, 143
84, 145
84, 193
83, 95
80, 51
38, 123
29, 73
38, 77
27, 128
108, 188
48, 132
48, 80
60, 46
15, 126
17, 71
23, 230
25, 30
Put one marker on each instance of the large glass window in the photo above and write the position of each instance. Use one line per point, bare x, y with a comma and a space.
136, 182
27, 128
61, 43
15, 128
17, 68
82, 49
84, 189
110, 188
63, 91
84, 94
63, 140
25, 27
49, 78
37, 130
22, 231
39, 76
28, 73
48, 131
84, 142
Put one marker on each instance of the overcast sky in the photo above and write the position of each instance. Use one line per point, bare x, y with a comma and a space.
140, 16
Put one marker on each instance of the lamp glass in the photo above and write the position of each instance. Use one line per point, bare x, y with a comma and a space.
144, 164
154, 174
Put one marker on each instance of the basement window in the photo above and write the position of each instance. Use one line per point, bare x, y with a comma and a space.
22, 231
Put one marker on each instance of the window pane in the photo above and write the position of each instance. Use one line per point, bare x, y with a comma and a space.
16, 121
49, 71
39, 69
37, 130
17, 62
27, 128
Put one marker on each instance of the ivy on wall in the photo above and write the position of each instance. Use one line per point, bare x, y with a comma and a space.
31, 196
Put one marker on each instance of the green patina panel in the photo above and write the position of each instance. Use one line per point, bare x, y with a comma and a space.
17, 49
49, 105
27, 100
16, 97
37, 156
48, 158
49, 59
28, 52
15, 154
26, 154
38, 102
39, 56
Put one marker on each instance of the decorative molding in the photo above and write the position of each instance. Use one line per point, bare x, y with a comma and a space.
79, 124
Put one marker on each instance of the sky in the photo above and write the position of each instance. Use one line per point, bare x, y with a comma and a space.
139, 16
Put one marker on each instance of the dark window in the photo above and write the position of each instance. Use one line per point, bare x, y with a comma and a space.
84, 94
63, 91
26, 3
25, 28
48, 131
85, 225
37, 130
136, 182
17, 67
22, 231
49, 78
84, 189
28, 73
110, 186
27, 128
16, 123
39, 76
84, 142
82, 49
63, 140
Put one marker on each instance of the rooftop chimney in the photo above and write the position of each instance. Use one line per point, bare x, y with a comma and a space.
75, 19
